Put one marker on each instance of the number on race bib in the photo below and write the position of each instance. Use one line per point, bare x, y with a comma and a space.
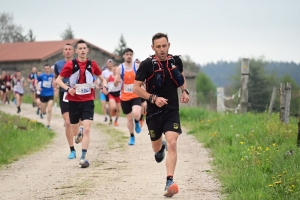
46, 84
128, 88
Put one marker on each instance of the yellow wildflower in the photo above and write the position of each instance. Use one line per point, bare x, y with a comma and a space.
242, 143
270, 185
274, 144
267, 148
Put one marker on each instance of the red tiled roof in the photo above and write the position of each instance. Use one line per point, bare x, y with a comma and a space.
26, 51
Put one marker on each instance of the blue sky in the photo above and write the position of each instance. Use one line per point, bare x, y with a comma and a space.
207, 31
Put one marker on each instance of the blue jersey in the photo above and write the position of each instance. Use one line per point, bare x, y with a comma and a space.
59, 65
46, 84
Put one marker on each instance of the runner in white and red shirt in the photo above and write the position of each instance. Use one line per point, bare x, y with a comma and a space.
80, 94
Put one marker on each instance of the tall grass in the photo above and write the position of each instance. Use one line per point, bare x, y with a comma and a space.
20, 136
254, 158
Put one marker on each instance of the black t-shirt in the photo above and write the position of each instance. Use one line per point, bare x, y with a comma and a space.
168, 90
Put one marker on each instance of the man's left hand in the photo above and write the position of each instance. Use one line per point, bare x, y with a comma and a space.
184, 98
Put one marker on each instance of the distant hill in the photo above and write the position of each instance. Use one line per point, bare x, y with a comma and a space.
221, 72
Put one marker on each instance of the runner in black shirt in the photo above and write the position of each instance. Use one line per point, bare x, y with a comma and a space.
163, 74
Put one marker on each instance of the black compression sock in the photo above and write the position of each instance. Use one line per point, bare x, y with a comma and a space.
72, 148
131, 135
170, 178
136, 121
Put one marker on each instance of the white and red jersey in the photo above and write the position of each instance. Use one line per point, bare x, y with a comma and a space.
80, 76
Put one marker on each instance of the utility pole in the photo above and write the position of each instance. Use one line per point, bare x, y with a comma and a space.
244, 81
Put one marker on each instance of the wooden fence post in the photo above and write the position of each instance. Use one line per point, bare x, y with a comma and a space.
244, 83
288, 93
272, 101
220, 100
282, 101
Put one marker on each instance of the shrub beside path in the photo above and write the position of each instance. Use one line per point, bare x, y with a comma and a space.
117, 171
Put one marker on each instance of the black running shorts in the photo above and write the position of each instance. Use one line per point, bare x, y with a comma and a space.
45, 99
127, 105
81, 110
64, 106
167, 120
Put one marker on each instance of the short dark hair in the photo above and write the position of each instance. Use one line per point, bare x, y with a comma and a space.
68, 44
46, 65
158, 36
126, 50
81, 42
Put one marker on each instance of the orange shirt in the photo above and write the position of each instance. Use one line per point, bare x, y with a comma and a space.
127, 87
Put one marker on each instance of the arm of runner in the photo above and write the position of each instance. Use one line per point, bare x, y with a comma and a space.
59, 81
137, 89
117, 78
104, 84
184, 98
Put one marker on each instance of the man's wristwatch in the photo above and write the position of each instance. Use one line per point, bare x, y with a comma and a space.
186, 90
68, 89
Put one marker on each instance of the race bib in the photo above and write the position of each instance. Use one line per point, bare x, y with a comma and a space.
2, 86
7, 83
128, 88
65, 97
82, 89
38, 92
46, 84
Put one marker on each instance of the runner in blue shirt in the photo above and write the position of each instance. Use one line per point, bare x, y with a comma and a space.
47, 93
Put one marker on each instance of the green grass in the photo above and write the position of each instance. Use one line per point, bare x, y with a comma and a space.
250, 152
21, 136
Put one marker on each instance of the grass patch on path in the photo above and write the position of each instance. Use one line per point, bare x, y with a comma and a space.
21, 136
117, 139
254, 157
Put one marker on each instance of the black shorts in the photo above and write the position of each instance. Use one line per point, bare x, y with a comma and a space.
3, 90
64, 106
143, 100
127, 105
81, 110
167, 120
8, 88
45, 99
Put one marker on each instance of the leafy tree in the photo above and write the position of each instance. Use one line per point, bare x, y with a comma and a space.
205, 89
189, 64
119, 50
68, 34
10, 32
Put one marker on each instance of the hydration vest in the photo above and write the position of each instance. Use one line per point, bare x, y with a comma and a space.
157, 79
75, 77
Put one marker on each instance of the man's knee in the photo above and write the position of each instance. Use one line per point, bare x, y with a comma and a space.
172, 145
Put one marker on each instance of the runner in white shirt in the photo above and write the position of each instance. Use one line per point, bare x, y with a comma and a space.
104, 98
19, 83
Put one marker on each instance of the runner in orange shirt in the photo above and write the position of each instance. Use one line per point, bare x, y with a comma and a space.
130, 102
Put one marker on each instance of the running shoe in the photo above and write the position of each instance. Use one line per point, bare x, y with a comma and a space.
159, 156
171, 188
41, 116
105, 119
79, 137
84, 163
116, 123
48, 127
131, 140
38, 111
137, 127
110, 122
72, 155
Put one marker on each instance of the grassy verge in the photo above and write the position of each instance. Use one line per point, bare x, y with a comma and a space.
20, 136
255, 158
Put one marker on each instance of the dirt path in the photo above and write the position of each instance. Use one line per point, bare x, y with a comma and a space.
117, 171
